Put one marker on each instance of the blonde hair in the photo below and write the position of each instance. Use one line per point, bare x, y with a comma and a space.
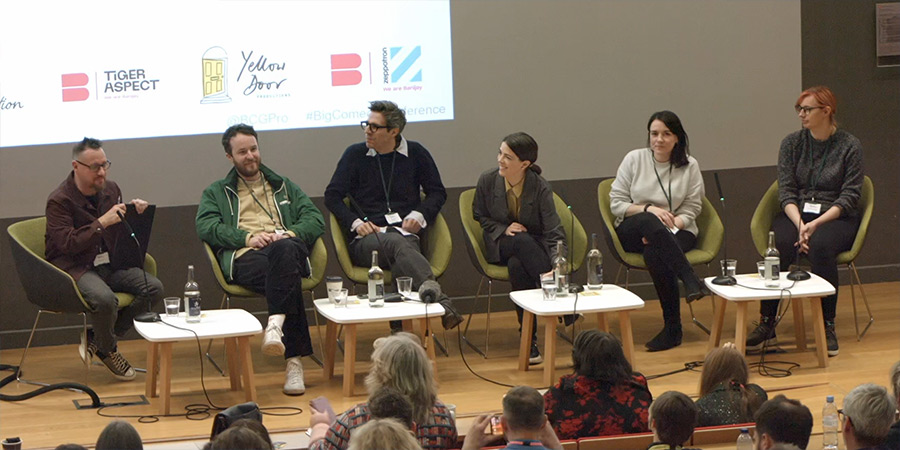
400, 362
383, 434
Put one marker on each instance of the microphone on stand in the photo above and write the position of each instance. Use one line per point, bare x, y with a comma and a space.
798, 274
723, 280
148, 316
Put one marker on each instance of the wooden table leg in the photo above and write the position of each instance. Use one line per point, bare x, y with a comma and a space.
819, 329
165, 377
715, 334
740, 327
152, 373
603, 322
349, 358
330, 348
407, 325
627, 335
234, 371
799, 325
243, 343
525, 339
549, 349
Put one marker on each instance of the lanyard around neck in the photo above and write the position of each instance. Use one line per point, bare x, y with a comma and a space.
390, 182
659, 180
265, 210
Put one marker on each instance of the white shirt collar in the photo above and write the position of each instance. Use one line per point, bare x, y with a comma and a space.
402, 149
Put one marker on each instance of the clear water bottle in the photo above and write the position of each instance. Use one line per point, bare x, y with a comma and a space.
772, 263
561, 270
191, 298
830, 424
376, 283
594, 265
745, 441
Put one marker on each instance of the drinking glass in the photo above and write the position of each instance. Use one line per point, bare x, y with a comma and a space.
404, 287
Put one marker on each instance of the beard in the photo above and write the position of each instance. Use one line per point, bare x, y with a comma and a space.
248, 170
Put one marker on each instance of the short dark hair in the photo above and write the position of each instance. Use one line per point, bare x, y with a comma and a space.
234, 130
393, 115
119, 435
598, 355
523, 408
85, 144
675, 416
239, 437
389, 403
525, 148
673, 123
784, 420
70, 447
253, 425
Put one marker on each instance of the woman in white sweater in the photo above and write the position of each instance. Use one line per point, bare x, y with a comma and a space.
656, 198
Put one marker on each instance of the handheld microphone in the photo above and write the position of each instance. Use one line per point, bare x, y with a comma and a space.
148, 316
723, 280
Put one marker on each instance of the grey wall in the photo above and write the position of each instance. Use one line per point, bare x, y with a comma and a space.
519, 85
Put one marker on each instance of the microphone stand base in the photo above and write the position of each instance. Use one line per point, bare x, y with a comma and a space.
724, 281
798, 275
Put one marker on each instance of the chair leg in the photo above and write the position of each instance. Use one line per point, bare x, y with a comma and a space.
465, 335
694, 317
854, 280
25, 353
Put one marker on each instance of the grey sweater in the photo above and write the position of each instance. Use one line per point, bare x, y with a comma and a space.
828, 171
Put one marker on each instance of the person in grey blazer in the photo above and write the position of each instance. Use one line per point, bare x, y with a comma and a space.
515, 208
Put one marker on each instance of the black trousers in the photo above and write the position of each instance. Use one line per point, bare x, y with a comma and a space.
277, 271
829, 239
664, 256
526, 260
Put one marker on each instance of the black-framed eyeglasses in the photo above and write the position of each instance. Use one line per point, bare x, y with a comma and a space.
806, 109
841, 416
373, 127
96, 167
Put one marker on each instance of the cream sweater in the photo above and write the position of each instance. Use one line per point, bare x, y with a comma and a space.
636, 183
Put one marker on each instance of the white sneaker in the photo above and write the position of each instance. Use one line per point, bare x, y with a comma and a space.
293, 377
272, 344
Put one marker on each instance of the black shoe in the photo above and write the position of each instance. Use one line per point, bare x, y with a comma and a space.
669, 337
831, 339
118, 366
763, 334
535, 356
700, 292
451, 318
570, 319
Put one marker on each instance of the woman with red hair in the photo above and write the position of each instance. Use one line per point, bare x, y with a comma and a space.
820, 178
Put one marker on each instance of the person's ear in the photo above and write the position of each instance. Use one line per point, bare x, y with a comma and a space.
230, 158
74, 165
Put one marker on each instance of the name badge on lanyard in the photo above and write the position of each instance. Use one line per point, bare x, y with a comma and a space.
812, 207
393, 218
101, 259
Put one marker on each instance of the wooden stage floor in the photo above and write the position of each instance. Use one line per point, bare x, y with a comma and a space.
52, 419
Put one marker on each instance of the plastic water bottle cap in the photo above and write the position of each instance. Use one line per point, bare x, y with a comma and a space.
829, 399
745, 430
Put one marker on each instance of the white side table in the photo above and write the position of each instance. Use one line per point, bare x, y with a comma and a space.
610, 299
234, 325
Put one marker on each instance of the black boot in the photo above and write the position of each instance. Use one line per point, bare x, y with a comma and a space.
695, 288
669, 337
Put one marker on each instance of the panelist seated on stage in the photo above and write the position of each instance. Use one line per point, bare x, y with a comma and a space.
398, 362
820, 179
515, 208
83, 224
262, 228
656, 198
383, 178
726, 395
603, 397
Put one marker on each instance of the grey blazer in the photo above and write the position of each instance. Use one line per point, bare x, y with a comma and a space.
538, 212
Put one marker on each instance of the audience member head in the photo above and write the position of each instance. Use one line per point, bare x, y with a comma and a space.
383, 434
673, 417
394, 116
253, 425
822, 97
784, 446
400, 362
868, 414
525, 148
782, 420
727, 365
389, 403
86, 143
523, 411
119, 435
70, 447
895, 381
598, 355
682, 148
233, 131
242, 438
